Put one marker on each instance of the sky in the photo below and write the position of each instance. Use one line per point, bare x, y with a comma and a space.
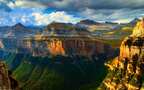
43, 12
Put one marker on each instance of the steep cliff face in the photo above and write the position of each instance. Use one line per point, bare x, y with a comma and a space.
4, 79
67, 46
139, 29
65, 39
7, 82
126, 72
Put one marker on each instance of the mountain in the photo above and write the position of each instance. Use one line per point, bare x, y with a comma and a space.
139, 29
64, 29
65, 39
134, 21
58, 45
61, 57
88, 22
18, 26
18, 31
11, 37
60, 72
95, 27
58, 61
126, 72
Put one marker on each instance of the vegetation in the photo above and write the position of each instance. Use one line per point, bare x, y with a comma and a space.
57, 73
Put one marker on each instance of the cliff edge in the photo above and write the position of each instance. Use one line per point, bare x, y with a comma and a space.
126, 72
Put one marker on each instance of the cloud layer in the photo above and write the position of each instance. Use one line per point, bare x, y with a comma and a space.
42, 12
80, 4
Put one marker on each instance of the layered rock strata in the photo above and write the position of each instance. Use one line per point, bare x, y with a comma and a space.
126, 72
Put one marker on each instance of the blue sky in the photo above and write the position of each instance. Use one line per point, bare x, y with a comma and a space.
43, 12
35, 16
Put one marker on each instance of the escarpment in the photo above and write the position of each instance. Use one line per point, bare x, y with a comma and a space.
67, 46
126, 72
66, 39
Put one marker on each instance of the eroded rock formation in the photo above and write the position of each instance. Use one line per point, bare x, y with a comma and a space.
126, 72
65, 39
4, 79
67, 46
7, 82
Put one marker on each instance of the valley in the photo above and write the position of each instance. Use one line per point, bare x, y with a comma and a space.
71, 44
61, 55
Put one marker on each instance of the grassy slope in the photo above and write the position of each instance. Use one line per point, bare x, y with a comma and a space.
37, 73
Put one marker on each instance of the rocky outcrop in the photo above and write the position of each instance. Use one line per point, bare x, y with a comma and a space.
65, 39
70, 46
88, 22
7, 82
126, 72
4, 78
65, 29
139, 29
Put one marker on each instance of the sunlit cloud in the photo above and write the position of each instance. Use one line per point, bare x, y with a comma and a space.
59, 16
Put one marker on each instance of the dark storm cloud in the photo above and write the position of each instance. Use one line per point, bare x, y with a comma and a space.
93, 4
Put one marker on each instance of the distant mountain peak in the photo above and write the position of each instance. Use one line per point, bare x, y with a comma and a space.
134, 21
58, 25
19, 25
88, 22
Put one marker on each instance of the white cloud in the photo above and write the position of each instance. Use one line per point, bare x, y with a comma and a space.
59, 16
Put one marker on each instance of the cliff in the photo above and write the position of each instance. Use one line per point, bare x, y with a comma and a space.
126, 72
4, 78
65, 39
7, 82
70, 46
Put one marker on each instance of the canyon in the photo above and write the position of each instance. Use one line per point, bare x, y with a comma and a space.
127, 70
61, 56
68, 46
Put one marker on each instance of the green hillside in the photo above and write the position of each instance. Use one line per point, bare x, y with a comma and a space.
57, 73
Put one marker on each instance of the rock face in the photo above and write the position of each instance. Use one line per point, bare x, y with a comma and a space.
64, 29
139, 29
126, 72
4, 78
7, 82
65, 39
67, 46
